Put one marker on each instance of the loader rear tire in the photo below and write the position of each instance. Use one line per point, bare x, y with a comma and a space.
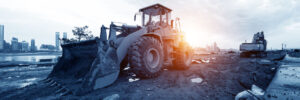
183, 57
146, 57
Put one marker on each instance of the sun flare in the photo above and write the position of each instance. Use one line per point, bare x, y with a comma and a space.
196, 39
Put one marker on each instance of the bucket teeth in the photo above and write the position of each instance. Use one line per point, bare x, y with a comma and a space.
46, 80
50, 82
60, 90
57, 85
66, 92
53, 84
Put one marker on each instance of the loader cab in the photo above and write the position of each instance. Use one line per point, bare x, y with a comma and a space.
156, 15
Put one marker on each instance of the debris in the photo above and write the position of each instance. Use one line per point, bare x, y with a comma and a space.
288, 58
273, 68
127, 68
149, 89
196, 80
196, 62
112, 97
205, 61
133, 75
265, 62
256, 90
133, 79
255, 93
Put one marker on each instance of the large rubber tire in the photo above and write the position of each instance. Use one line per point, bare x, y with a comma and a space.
183, 56
146, 57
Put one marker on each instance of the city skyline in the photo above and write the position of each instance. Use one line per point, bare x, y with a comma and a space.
2, 37
16, 45
32, 40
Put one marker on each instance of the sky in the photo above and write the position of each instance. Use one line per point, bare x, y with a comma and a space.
226, 22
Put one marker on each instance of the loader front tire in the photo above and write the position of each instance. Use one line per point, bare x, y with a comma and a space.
183, 56
146, 57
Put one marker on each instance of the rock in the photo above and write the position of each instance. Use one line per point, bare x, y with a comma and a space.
265, 62
133, 79
196, 80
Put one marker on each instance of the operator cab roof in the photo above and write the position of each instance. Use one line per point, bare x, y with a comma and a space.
155, 9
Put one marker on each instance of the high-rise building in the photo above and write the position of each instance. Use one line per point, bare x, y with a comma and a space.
14, 44
7, 46
65, 35
25, 46
1, 37
32, 45
57, 40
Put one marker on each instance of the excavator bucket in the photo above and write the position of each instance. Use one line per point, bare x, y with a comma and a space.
85, 66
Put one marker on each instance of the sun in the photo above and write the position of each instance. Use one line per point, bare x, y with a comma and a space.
196, 38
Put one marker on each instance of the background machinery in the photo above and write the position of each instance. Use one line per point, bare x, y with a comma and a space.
256, 48
93, 64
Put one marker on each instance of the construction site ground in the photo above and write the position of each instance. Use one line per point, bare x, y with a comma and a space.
211, 77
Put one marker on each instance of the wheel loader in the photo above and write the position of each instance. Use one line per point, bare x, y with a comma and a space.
147, 48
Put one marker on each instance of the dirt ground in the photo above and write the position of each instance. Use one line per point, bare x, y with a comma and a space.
224, 75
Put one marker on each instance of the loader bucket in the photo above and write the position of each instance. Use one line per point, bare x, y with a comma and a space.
85, 66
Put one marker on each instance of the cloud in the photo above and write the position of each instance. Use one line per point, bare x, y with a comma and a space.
227, 22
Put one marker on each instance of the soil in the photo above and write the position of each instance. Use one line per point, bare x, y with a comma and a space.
224, 76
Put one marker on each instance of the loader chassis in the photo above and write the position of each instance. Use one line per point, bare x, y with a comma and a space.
94, 64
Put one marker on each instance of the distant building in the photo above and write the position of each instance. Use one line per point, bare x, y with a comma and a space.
213, 48
47, 47
1, 37
65, 35
14, 44
25, 46
57, 40
7, 46
32, 46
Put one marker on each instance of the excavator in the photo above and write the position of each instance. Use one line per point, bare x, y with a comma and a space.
147, 48
256, 48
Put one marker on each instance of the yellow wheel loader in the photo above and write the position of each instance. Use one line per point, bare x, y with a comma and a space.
93, 64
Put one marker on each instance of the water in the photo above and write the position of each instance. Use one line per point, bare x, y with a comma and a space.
28, 57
